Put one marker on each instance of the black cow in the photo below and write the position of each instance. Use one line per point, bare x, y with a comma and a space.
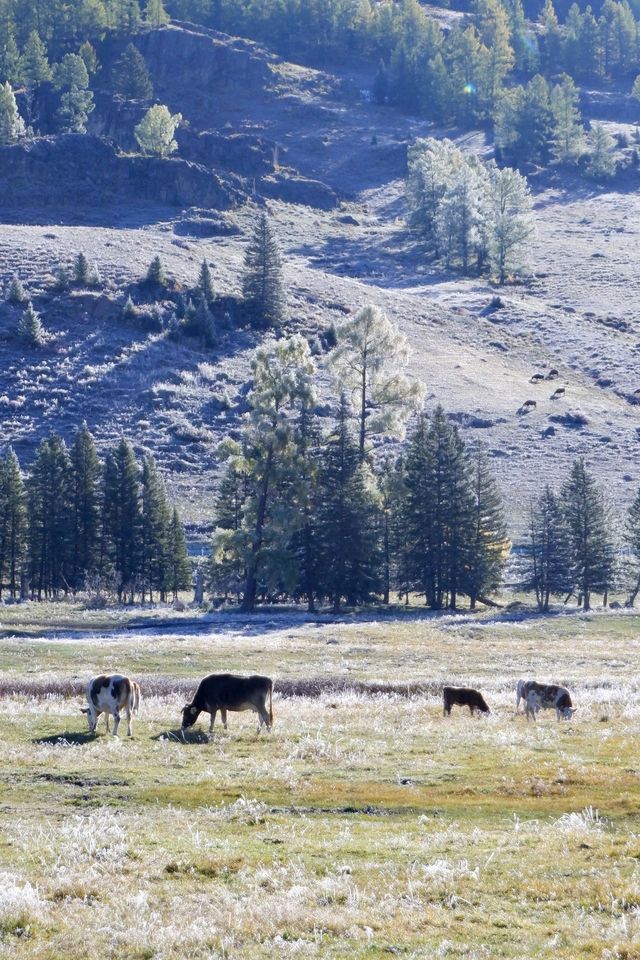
224, 691
464, 697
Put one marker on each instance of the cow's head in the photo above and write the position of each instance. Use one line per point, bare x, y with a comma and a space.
92, 718
568, 712
189, 716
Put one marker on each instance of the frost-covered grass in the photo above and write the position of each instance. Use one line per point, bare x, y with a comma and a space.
365, 826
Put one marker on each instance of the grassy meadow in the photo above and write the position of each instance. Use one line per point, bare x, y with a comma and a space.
365, 826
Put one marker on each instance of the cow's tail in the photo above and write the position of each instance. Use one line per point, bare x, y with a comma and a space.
271, 703
135, 697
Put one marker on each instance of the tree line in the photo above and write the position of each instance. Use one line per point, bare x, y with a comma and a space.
307, 511
76, 521
492, 66
316, 508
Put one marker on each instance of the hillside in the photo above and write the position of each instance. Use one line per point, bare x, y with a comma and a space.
330, 165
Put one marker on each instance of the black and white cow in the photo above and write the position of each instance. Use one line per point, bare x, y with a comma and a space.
110, 695
547, 696
224, 691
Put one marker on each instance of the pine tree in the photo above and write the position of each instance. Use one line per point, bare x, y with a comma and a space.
155, 14
550, 570
178, 566
49, 519
306, 545
492, 24
226, 568
81, 271
154, 133
89, 57
122, 516
85, 501
262, 281
130, 76
439, 512
34, 65
488, 544
350, 567
155, 273
11, 125
71, 72
155, 520
551, 54
567, 134
590, 536
602, 164
10, 62
392, 492
16, 294
205, 284
126, 16
13, 523
268, 456
201, 324
76, 105
632, 540
368, 361
30, 328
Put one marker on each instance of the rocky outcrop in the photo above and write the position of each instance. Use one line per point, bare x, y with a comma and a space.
310, 193
86, 170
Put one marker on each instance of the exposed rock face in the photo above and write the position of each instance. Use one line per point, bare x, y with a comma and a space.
311, 193
76, 169
196, 70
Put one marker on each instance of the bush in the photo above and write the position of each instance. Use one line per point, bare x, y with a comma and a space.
155, 274
30, 328
61, 279
81, 271
16, 294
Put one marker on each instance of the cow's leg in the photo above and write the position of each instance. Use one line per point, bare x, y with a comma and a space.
223, 717
129, 721
106, 717
264, 718
471, 709
116, 723
213, 720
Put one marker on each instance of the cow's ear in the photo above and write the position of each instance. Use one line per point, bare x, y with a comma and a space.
192, 710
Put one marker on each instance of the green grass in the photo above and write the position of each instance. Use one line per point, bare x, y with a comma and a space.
363, 827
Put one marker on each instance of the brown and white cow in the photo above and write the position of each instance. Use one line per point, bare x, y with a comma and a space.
110, 695
464, 697
547, 696
224, 691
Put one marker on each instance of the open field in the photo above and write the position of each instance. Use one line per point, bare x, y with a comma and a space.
364, 826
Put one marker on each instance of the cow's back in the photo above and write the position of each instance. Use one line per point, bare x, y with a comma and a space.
227, 689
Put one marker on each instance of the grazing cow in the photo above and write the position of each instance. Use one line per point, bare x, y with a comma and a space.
110, 695
224, 691
553, 374
529, 404
547, 696
536, 378
559, 392
464, 697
